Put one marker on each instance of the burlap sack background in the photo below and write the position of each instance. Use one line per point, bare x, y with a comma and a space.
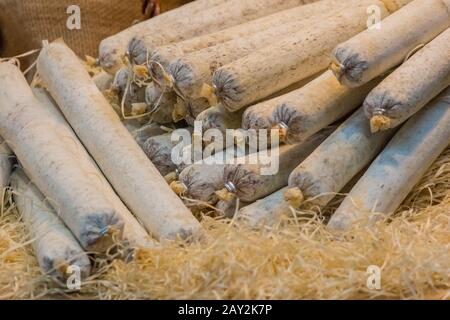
166, 5
25, 23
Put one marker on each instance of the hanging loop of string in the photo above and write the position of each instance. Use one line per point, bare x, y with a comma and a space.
148, 63
169, 80
15, 60
168, 83
132, 77
164, 86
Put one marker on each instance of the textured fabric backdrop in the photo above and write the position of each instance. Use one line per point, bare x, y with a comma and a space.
25, 23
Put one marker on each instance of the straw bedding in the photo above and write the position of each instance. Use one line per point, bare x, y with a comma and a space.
296, 259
